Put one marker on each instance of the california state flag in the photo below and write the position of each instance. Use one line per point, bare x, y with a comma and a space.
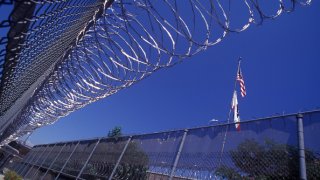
234, 105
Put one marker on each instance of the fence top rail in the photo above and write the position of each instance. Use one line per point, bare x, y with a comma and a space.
177, 130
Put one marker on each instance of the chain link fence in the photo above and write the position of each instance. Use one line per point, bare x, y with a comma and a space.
263, 149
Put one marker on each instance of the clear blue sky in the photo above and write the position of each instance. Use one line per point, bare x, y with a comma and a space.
281, 62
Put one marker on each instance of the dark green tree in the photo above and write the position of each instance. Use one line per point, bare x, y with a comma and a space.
134, 162
227, 173
11, 175
269, 160
115, 132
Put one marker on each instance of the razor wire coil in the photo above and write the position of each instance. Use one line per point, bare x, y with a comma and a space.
90, 49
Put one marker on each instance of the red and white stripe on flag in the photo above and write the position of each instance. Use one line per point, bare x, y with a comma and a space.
241, 82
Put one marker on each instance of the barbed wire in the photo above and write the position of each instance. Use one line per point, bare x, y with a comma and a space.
72, 53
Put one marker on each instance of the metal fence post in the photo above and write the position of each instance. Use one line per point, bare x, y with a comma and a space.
121, 155
17, 166
53, 162
43, 161
36, 161
178, 154
27, 159
27, 162
88, 159
28, 156
64, 165
5, 159
302, 158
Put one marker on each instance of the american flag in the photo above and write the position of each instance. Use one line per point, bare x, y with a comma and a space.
241, 82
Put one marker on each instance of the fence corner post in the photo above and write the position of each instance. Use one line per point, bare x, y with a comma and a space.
178, 154
302, 159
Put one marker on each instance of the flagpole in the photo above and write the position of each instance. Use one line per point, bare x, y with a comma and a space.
230, 110
234, 87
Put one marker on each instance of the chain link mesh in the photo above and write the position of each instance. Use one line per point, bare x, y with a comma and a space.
263, 149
